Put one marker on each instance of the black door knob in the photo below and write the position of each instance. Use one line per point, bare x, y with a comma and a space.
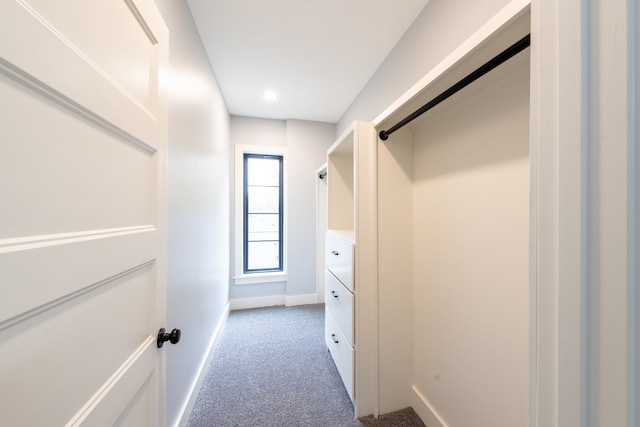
173, 337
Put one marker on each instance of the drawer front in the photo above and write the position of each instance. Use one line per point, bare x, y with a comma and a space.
339, 259
339, 301
341, 352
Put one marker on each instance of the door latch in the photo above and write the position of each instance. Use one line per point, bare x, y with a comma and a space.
173, 337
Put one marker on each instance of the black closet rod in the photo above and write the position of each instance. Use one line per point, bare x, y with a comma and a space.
503, 56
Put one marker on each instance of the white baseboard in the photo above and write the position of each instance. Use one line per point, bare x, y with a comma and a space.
291, 300
425, 410
258, 302
197, 384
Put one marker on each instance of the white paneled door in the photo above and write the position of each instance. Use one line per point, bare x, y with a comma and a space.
83, 134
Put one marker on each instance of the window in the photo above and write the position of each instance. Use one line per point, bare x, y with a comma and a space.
262, 213
260, 221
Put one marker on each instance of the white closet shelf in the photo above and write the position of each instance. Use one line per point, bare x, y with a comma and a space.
344, 144
510, 24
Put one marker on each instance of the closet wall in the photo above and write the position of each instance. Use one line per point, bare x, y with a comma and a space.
454, 224
470, 249
453, 247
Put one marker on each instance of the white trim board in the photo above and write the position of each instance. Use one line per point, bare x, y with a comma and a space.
269, 301
425, 410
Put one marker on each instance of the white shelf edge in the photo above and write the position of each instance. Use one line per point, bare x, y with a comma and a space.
508, 14
350, 130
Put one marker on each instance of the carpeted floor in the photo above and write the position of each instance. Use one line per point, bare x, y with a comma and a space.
271, 368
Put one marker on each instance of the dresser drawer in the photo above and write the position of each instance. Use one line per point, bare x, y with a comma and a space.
341, 351
339, 259
339, 301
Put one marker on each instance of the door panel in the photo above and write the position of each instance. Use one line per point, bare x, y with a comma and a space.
82, 212
56, 184
44, 58
61, 355
39, 273
121, 52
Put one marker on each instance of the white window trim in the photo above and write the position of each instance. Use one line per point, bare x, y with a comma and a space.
240, 278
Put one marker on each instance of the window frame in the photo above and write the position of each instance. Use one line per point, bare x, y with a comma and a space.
245, 214
239, 277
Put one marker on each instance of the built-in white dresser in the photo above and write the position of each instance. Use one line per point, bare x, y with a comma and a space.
339, 281
350, 257
339, 303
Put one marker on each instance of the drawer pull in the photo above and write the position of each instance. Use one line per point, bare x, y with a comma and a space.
335, 295
336, 253
333, 337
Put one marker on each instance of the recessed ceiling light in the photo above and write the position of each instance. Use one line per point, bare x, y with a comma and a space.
270, 95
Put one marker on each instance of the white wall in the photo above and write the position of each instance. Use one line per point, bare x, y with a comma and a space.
440, 28
306, 144
199, 182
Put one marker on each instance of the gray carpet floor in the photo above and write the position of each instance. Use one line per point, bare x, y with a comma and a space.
271, 368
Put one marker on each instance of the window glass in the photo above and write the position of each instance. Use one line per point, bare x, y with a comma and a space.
263, 170
263, 227
263, 256
263, 201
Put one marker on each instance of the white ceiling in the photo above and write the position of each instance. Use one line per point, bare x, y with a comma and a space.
317, 55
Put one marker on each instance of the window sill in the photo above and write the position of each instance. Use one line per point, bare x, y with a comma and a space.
250, 279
